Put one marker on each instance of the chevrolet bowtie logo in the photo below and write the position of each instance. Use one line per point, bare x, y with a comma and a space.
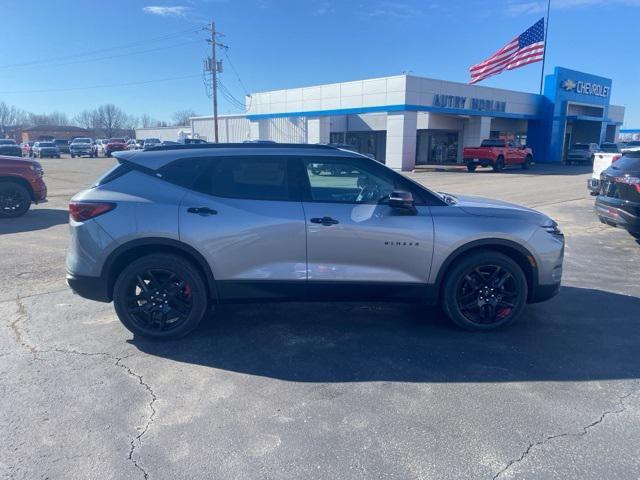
569, 85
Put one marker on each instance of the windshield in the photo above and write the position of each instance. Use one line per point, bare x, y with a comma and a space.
116, 140
609, 147
47, 144
493, 143
82, 140
7, 142
580, 146
633, 144
152, 140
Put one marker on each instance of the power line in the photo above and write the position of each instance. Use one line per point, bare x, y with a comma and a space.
97, 59
226, 54
109, 85
101, 50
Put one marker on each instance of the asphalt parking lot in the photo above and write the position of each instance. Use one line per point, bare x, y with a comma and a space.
342, 391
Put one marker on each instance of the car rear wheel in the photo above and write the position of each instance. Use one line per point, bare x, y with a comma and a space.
484, 291
499, 165
471, 168
14, 200
160, 296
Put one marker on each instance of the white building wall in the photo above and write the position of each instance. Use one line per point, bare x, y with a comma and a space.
401, 140
171, 134
616, 113
231, 128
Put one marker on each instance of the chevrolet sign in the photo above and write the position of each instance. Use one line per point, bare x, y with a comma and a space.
586, 88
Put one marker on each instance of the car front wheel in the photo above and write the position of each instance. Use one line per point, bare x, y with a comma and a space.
14, 200
484, 291
499, 165
160, 296
471, 167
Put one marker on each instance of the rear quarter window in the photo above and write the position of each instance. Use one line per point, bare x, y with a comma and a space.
629, 162
119, 170
185, 171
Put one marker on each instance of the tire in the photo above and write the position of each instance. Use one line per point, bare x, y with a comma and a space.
155, 308
15, 200
73, 156
527, 163
471, 168
457, 287
498, 166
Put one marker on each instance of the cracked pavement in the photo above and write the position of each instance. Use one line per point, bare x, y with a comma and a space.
324, 391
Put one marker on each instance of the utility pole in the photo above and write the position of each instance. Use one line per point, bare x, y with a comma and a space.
214, 67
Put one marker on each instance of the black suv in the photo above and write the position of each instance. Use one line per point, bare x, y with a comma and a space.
618, 202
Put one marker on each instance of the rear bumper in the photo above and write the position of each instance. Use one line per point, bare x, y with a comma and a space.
613, 213
483, 162
92, 288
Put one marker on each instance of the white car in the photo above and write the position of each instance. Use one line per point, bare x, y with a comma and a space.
152, 142
601, 161
100, 146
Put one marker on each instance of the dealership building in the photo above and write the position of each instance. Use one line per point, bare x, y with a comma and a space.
404, 120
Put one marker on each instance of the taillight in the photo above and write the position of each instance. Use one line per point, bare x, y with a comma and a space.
82, 211
635, 181
616, 158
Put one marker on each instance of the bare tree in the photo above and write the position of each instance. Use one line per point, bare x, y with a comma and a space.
146, 121
87, 119
182, 117
11, 116
111, 119
53, 118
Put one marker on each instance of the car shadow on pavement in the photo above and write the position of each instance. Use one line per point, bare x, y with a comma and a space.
34, 219
580, 335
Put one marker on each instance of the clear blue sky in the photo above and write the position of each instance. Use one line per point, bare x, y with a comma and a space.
290, 43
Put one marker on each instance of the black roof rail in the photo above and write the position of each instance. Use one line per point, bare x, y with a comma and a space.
195, 146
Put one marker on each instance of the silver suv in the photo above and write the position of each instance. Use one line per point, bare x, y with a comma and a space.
172, 230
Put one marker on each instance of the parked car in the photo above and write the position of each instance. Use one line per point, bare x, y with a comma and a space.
99, 147
45, 149
582, 153
21, 184
168, 232
601, 162
115, 145
609, 147
497, 153
63, 145
632, 146
83, 146
618, 202
10, 148
151, 142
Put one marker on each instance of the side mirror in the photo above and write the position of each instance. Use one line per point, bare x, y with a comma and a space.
401, 199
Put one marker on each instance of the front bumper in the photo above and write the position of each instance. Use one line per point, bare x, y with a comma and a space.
92, 288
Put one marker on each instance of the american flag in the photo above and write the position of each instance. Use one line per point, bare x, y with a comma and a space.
524, 49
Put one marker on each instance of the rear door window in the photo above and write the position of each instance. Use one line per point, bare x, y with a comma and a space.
254, 178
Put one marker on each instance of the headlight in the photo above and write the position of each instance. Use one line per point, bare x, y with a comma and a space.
37, 168
551, 227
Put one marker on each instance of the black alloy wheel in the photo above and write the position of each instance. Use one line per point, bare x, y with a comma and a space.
14, 200
485, 291
160, 296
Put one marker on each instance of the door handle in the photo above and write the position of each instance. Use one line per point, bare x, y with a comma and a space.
326, 221
202, 211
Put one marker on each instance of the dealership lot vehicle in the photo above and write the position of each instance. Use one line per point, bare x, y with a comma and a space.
609, 147
63, 145
151, 142
618, 202
633, 146
115, 145
100, 146
21, 184
10, 148
45, 149
497, 153
582, 153
601, 161
363, 232
83, 146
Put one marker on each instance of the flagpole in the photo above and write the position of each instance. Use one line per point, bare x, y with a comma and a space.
544, 52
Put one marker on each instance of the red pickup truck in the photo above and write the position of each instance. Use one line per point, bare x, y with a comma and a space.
20, 184
498, 154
